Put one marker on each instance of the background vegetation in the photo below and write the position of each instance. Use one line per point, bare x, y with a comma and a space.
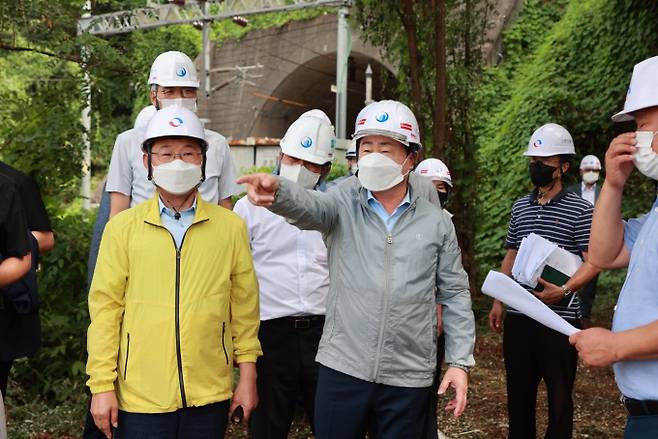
563, 61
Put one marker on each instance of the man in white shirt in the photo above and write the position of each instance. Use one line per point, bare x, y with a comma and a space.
172, 81
293, 275
588, 189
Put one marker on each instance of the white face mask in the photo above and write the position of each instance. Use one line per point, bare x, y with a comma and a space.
300, 175
187, 103
645, 159
378, 172
354, 168
177, 177
591, 177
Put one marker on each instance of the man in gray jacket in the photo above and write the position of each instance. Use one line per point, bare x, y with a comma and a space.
392, 256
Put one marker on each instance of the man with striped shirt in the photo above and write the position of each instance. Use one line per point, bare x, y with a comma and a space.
532, 351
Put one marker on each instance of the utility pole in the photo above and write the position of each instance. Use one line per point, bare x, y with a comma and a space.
205, 37
368, 84
343, 48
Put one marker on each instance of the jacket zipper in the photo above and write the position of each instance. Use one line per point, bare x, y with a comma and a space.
179, 358
125, 367
224, 344
387, 286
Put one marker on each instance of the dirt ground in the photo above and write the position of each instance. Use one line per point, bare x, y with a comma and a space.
598, 413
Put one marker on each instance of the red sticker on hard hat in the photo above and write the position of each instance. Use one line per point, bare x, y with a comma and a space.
362, 121
406, 126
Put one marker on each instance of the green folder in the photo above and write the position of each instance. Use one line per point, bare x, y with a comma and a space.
550, 274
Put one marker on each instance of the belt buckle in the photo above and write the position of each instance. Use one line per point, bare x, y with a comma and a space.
302, 323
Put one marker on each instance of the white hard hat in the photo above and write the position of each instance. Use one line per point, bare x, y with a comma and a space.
388, 118
590, 162
434, 169
643, 91
174, 122
550, 139
311, 138
173, 69
351, 150
145, 116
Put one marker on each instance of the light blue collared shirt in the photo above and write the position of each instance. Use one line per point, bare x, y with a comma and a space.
389, 219
637, 304
177, 227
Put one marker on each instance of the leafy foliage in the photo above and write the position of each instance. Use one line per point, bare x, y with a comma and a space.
569, 67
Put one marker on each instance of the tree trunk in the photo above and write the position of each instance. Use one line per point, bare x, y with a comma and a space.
440, 127
408, 18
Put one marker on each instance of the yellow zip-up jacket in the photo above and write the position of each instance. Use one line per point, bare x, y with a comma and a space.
167, 324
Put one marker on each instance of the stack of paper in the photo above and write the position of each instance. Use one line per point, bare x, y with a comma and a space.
538, 257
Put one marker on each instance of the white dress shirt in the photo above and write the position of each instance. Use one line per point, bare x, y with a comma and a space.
588, 194
291, 264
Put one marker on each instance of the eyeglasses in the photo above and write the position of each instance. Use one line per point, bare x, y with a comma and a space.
187, 157
183, 92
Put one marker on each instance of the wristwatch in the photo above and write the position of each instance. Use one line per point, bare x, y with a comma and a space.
459, 366
566, 290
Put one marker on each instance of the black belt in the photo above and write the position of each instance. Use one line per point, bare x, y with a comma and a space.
636, 407
304, 322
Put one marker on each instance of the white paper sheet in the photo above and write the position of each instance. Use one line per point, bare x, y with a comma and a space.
505, 289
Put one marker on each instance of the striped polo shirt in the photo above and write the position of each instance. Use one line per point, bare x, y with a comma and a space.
565, 220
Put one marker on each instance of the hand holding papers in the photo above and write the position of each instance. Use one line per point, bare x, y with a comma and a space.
501, 287
538, 257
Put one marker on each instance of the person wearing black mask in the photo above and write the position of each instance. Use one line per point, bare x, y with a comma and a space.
533, 352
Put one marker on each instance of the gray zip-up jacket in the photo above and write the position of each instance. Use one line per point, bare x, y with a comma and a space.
381, 315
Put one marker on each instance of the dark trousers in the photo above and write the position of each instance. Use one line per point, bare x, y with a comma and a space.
345, 406
5, 368
587, 296
432, 421
641, 427
208, 421
287, 373
534, 352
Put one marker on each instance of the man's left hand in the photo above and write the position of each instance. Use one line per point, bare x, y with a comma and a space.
551, 294
458, 380
596, 346
245, 394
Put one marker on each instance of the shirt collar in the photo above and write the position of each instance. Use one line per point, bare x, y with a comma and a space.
405, 200
164, 209
555, 199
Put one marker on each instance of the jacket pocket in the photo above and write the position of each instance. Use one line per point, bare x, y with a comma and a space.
125, 366
223, 342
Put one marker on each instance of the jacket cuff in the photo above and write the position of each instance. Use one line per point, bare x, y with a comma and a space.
101, 388
247, 358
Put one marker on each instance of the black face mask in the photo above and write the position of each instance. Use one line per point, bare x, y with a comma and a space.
443, 198
541, 174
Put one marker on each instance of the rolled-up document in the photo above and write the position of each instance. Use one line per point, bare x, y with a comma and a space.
505, 289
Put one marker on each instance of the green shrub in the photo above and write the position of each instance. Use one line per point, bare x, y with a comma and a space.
58, 370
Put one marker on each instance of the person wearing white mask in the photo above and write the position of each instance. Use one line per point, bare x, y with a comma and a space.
173, 82
293, 276
173, 303
588, 189
392, 256
631, 347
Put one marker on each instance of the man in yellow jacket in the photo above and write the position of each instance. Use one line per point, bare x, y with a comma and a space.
173, 302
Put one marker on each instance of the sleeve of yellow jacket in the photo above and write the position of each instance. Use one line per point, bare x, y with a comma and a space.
106, 306
245, 314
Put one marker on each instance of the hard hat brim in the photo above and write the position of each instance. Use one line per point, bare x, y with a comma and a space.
202, 142
192, 84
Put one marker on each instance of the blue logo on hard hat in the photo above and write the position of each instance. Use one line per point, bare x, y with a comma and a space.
383, 117
176, 122
306, 142
181, 72
538, 143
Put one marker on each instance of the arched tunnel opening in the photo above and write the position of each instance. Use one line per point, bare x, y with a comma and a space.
310, 86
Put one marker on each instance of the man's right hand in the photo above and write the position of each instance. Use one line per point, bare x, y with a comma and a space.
105, 410
619, 160
261, 188
496, 316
